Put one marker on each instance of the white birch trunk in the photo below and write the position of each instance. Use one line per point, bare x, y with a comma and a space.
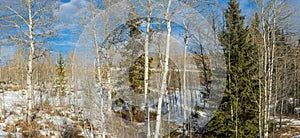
260, 109
272, 58
107, 58
99, 79
186, 41
146, 77
265, 57
165, 71
168, 101
30, 60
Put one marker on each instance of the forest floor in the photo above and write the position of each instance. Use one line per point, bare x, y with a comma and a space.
290, 127
47, 122
65, 121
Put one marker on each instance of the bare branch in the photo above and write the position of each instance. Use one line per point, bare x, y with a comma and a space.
19, 15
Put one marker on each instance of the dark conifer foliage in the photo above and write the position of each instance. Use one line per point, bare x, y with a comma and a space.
238, 114
136, 74
61, 80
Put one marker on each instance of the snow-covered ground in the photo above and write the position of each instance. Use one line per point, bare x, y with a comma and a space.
54, 119
48, 122
290, 126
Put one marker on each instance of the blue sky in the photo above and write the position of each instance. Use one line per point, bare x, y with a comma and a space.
68, 11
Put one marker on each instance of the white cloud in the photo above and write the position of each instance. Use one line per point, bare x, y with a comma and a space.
67, 11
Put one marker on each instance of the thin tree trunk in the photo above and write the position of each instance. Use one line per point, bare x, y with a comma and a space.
99, 79
281, 109
146, 73
296, 79
109, 86
30, 61
260, 109
107, 60
190, 114
260, 66
1, 87
165, 71
264, 102
284, 87
276, 92
272, 57
186, 42
168, 100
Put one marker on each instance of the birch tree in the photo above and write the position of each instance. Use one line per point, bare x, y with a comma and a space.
34, 19
165, 70
272, 15
93, 10
186, 42
111, 40
146, 72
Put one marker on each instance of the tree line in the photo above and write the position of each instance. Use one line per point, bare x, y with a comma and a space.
261, 62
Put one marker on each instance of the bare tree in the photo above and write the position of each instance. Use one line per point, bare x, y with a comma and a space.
93, 10
272, 14
165, 70
186, 42
33, 20
146, 72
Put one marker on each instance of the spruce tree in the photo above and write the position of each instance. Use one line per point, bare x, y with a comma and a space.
61, 81
136, 69
136, 74
237, 115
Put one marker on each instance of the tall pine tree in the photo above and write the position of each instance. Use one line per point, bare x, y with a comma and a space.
237, 115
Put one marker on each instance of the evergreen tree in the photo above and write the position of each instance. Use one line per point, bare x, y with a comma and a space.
134, 47
238, 113
136, 74
61, 81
